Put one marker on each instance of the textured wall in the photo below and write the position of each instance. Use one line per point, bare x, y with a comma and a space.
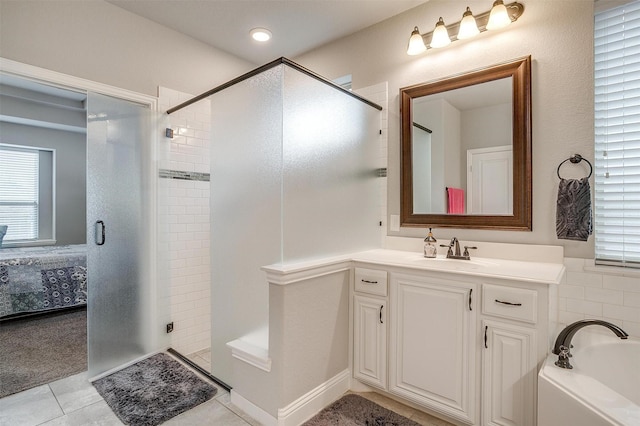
558, 36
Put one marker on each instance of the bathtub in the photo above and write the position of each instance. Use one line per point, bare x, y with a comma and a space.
603, 388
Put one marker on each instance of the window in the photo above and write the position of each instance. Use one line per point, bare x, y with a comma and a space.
617, 135
19, 192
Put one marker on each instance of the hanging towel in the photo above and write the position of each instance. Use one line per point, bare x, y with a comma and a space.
455, 198
573, 210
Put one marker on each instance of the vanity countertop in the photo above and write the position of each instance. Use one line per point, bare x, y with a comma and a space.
534, 272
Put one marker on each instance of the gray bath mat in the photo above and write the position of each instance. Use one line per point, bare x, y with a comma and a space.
153, 390
354, 410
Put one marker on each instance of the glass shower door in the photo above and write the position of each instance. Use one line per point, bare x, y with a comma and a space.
122, 312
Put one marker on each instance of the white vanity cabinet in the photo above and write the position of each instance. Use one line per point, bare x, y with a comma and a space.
370, 327
510, 354
462, 340
432, 354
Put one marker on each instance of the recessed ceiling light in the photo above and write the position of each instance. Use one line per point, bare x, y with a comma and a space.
260, 34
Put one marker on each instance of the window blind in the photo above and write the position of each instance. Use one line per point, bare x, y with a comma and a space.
19, 174
617, 135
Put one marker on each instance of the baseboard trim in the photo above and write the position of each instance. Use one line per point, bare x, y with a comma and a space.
315, 400
303, 408
252, 410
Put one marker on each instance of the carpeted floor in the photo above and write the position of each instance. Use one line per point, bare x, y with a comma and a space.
40, 350
354, 410
153, 390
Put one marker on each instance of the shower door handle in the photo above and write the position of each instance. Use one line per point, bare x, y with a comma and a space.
100, 236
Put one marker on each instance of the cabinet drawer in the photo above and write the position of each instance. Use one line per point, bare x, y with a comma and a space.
372, 281
513, 303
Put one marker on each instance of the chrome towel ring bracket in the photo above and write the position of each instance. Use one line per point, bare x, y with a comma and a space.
575, 159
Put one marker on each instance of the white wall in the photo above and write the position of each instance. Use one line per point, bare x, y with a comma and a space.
558, 36
98, 41
486, 127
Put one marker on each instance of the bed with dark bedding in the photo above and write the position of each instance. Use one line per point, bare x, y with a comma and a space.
42, 279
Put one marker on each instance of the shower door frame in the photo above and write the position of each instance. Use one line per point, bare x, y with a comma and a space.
78, 84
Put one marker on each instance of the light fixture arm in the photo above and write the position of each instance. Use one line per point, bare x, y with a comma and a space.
514, 10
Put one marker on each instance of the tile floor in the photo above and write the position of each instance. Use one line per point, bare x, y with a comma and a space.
73, 401
202, 358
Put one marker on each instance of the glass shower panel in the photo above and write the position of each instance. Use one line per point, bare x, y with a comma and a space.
246, 179
122, 308
331, 188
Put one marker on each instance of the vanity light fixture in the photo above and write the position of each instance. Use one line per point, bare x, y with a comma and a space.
468, 26
416, 43
260, 34
440, 36
498, 17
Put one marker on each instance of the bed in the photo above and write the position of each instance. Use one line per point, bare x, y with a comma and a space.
42, 279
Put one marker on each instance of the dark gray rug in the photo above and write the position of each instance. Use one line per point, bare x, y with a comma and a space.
153, 390
354, 410
40, 350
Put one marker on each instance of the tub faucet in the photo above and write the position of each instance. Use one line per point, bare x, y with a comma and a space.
562, 346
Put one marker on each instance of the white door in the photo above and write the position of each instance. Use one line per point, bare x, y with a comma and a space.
490, 180
370, 342
432, 344
509, 375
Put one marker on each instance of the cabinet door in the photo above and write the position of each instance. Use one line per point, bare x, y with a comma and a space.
370, 341
508, 374
432, 350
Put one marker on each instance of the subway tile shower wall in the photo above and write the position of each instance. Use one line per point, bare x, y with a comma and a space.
595, 293
185, 219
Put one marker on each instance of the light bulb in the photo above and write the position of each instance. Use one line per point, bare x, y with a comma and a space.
260, 34
416, 43
499, 17
440, 36
468, 26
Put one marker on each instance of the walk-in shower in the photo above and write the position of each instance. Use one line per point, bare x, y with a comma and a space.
294, 176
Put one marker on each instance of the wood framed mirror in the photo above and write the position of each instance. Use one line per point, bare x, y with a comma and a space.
466, 150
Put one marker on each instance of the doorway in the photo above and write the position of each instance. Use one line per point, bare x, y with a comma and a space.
62, 245
490, 180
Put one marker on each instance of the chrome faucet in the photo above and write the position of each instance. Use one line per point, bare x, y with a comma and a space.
562, 347
455, 243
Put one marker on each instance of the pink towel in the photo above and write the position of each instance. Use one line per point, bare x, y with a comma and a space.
456, 200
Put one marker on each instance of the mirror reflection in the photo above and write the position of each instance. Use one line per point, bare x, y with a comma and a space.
466, 150
462, 150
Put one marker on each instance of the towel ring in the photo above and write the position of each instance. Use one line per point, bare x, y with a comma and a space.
575, 159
